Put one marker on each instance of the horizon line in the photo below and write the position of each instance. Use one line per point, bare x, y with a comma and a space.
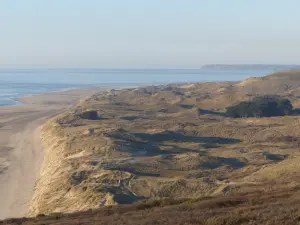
144, 68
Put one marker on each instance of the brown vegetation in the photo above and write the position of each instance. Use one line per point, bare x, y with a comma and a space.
279, 207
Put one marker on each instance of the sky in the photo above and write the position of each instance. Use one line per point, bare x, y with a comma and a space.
148, 33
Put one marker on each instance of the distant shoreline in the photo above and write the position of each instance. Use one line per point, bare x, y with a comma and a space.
27, 83
18, 101
275, 67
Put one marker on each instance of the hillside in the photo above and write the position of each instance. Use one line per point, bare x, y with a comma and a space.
173, 141
275, 67
279, 207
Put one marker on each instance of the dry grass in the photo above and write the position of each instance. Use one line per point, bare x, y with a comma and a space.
279, 207
170, 142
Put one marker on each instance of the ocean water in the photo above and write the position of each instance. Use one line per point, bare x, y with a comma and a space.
15, 83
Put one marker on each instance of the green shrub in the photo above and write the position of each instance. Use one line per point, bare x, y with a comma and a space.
265, 106
90, 115
274, 157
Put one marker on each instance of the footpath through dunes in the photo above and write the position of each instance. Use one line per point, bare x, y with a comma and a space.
174, 141
21, 153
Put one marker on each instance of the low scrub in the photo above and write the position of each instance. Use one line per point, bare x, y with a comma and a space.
90, 115
160, 203
266, 106
274, 157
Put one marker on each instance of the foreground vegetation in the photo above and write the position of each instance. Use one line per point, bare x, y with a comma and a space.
279, 207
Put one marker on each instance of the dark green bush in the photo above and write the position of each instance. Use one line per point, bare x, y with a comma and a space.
274, 157
90, 115
265, 106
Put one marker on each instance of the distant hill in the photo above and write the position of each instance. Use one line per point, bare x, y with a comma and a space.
274, 67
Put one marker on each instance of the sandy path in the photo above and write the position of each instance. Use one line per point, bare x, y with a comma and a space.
21, 153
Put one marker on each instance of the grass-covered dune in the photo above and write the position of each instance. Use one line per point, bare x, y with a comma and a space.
175, 142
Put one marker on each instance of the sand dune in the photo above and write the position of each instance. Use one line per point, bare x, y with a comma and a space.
161, 142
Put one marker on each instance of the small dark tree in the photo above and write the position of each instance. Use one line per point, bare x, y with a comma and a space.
266, 106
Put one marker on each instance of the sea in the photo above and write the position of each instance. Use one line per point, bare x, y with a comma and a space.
16, 83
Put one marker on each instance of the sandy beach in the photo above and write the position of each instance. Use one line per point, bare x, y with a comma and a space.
21, 153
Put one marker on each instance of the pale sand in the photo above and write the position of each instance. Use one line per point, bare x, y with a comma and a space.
21, 153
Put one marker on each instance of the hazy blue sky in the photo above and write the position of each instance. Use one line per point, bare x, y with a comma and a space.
148, 33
